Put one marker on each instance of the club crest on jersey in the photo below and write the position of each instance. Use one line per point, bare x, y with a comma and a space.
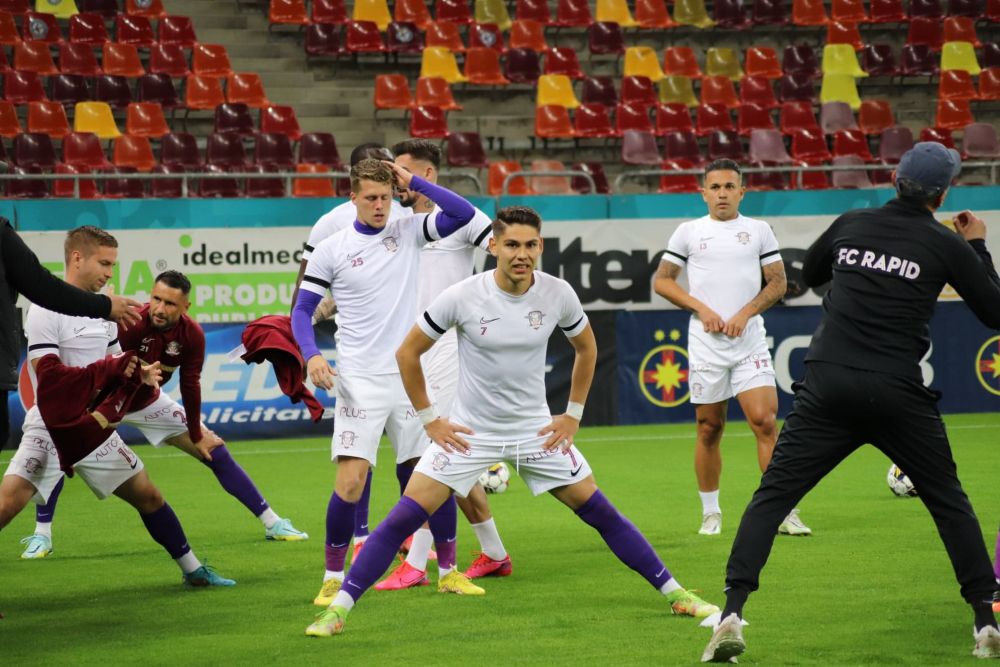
173, 348
440, 462
347, 439
390, 243
32, 465
743, 237
535, 319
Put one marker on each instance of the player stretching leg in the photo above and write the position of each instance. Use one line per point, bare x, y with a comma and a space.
166, 334
107, 465
371, 271
503, 330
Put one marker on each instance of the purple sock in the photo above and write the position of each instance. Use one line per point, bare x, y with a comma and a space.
45, 513
164, 527
381, 547
403, 474
444, 528
625, 540
361, 516
339, 524
996, 558
235, 480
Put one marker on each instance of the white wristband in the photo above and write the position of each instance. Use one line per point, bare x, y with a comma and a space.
427, 415
574, 410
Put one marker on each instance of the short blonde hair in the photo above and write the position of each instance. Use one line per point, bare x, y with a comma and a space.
86, 240
371, 170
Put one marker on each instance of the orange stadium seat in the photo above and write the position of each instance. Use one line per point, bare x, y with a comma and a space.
412, 11
719, 90
445, 35
34, 57
953, 114
681, 61
10, 126
210, 60
287, 12
48, 118
433, 91
653, 15
874, 116
122, 60
176, 30
8, 30
456, 11
553, 122
145, 119
528, 34
956, 84
78, 59
203, 92
392, 91
809, 13
482, 67
133, 151
498, 173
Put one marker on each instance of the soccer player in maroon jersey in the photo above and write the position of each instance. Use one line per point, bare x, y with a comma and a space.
165, 333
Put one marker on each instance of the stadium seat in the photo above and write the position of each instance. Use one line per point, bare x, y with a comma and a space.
653, 15
440, 63
681, 61
724, 144
364, 37
989, 84
757, 90
445, 35
614, 11
723, 62
809, 147
841, 59
887, 11
233, 118
203, 92
680, 183
844, 33
556, 89
582, 186
719, 90
402, 37
839, 88
960, 29
48, 118
992, 13
848, 11
800, 59
88, 29
769, 12
67, 188
677, 89
550, 185
752, 117
287, 12
96, 118
122, 60
796, 116
113, 90
134, 30
320, 148
712, 117
979, 141
15, 7
8, 30
925, 31
247, 88
260, 188
281, 119
211, 188
875, 116
465, 149
672, 117
157, 88
482, 67
145, 119
591, 121
930, 9
492, 11
972, 8
456, 11
78, 59
176, 31
956, 84
108, 9
605, 39
879, 60
851, 142
23, 87
768, 147
34, 150
412, 11
375, 11
40, 27
83, 148
329, 12
893, 143
498, 172
133, 151
730, 15
10, 126
34, 57
68, 89
323, 39
180, 150
953, 114
850, 180
809, 13
692, 13
573, 14
210, 60
152, 9
959, 55
24, 189
638, 90
528, 35
428, 123
61, 9
553, 122
991, 54
599, 90
312, 187
392, 91
226, 150
762, 61
521, 66
682, 146
639, 148
938, 134
628, 117
642, 61
535, 10
435, 92
274, 149
487, 35
918, 60
563, 60
836, 116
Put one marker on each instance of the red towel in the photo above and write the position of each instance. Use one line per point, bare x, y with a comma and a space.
270, 338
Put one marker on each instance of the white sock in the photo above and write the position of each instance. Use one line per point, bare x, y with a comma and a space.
360, 539
330, 574
44, 529
268, 518
710, 502
188, 562
489, 539
671, 585
445, 571
343, 600
420, 549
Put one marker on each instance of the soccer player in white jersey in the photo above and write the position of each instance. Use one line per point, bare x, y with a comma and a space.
33, 473
503, 319
725, 253
442, 264
371, 271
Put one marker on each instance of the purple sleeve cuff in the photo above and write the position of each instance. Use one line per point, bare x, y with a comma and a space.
302, 327
455, 212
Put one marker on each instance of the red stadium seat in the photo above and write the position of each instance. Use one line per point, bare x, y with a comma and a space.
177, 31
725, 144
604, 39
108, 9
638, 90
122, 60
10, 126
280, 118
563, 60
938, 134
762, 61
681, 183
712, 117
681, 61
134, 30
15, 7
84, 149
960, 29
133, 151
403, 37
23, 87
246, 87
78, 59
753, 117
498, 172
887, 11
809, 146
956, 84
573, 14
528, 35
287, 12
591, 121
210, 60
482, 67
444, 34
435, 92
534, 10
653, 15
989, 84
797, 116
465, 149
392, 91
628, 117
844, 33
88, 29
456, 11
851, 142
364, 37
87, 188
639, 148
486, 35
152, 9
428, 123
953, 114
145, 119
41, 28
329, 12
875, 116
809, 13
8, 30
757, 90
412, 11
34, 57
48, 118
553, 122
168, 59
925, 32
203, 92
848, 11
672, 117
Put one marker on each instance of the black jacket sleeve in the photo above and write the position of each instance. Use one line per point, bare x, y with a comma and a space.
26, 275
975, 279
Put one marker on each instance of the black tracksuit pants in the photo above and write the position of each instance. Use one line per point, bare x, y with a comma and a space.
836, 410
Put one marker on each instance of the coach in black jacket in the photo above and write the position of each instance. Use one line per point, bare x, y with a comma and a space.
863, 382
20, 272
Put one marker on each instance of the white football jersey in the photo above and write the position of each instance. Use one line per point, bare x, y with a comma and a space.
373, 280
723, 262
341, 217
452, 259
502, 342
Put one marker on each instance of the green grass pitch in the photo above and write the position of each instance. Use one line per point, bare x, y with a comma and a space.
872, 586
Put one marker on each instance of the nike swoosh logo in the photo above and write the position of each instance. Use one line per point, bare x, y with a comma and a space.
452, 539
351, 583
483, 320
660, 572
350, 256
574, 473
77, 331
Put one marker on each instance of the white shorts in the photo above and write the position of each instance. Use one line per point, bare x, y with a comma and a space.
369, 404
104, 469
712, 382
160, 420
440, 365
542, 470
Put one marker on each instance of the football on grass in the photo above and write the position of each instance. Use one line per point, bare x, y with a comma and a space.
899, 483
496, 479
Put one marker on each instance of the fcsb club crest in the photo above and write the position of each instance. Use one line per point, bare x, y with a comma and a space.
663, 373
988, 365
